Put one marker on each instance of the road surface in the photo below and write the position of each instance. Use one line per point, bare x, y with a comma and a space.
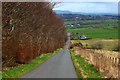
59, 66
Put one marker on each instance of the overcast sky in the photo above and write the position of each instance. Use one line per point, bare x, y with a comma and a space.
87, 0
89, 6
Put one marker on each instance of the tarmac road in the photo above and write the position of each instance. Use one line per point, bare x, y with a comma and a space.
59, 66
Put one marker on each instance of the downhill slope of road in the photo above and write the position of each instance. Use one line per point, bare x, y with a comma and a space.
59, 66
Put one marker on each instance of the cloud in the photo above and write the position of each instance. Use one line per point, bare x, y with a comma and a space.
90, 7
88, 0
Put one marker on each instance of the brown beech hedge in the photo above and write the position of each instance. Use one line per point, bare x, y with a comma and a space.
29, 29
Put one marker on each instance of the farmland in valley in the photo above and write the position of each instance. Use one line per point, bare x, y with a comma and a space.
110, 33
92, 23
107, 44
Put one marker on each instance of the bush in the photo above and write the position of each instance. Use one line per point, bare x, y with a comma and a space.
97, 45
76, 44
116, 47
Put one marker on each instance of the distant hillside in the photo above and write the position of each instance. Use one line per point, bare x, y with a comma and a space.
62, 12
87, 17
70, 12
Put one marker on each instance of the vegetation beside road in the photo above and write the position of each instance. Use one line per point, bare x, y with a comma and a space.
16, 72
0, 75
83, 69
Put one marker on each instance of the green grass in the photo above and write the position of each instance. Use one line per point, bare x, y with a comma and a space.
25, 68
94, 23
96, 33
0, 75
109, 21
84, 70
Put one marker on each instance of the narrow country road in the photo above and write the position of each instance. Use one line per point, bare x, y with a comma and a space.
59, 66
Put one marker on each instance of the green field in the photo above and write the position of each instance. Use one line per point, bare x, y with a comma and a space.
92, 23
96, 33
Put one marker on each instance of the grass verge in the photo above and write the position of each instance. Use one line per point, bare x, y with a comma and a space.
83, 69
0, 75
25, 68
